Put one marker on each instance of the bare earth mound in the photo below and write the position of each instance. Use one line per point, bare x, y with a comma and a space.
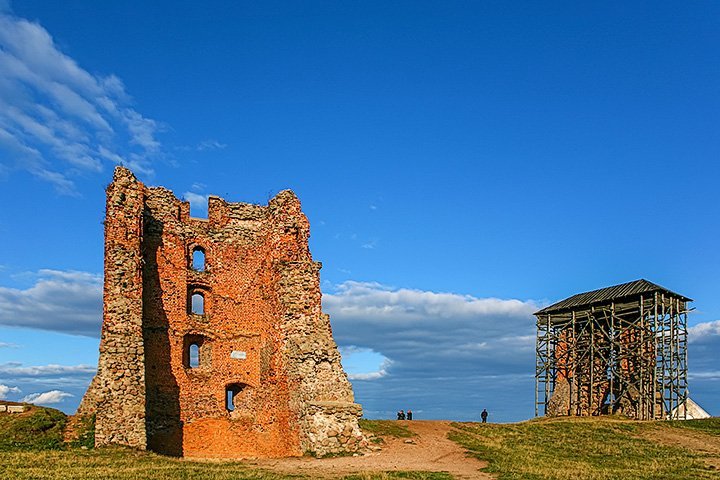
430, 450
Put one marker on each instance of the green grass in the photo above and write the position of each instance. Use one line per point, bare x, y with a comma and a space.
386, 428
127, 464
85, 432
710, 426
37, 429
588, 448
31, 447
568, 448
119, 464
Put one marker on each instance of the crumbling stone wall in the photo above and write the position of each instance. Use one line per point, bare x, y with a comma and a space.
267, 380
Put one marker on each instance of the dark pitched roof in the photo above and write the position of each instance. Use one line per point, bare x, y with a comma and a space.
608, 294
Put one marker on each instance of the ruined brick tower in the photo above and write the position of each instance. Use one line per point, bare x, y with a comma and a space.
214, 343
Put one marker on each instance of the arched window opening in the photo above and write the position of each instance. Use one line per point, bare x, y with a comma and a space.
198, 259
235, 394
197, 303
194, 355
196, 351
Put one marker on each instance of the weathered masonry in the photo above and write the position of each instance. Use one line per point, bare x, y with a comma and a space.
214, 343
620, 349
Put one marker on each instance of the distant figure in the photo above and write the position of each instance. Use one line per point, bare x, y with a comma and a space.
401, 415
409, 414
484, 415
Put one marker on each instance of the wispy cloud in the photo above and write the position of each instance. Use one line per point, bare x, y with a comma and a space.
15, 369
62, 301
47, 398
8, 345
205, 145
211, 145
58, 120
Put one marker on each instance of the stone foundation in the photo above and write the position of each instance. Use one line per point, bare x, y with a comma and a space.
331, 427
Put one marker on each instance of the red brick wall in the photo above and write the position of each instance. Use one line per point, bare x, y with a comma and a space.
262, 329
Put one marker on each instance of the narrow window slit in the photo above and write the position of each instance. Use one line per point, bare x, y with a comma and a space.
198, 259
197, 304
194, 354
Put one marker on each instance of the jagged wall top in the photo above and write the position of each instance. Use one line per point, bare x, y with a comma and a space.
284, 208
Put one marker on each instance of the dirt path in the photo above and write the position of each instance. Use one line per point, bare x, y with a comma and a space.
430, 451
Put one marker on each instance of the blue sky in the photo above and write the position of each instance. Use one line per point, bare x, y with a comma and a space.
461, 164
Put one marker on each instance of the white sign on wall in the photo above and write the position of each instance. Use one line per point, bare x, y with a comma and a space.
238, 355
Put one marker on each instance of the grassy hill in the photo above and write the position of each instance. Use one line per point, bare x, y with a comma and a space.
566, 448
596, 448
38, 428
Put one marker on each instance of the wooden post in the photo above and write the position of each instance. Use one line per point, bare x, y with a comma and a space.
655, 346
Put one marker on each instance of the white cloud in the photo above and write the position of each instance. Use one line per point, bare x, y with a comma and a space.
5, 391
705, 375
378, 303
63, 301
702, 332
425, 330
47, 398
8, 345
379, 373
16, 369
450, 353
364, 363
198, 203
56, 119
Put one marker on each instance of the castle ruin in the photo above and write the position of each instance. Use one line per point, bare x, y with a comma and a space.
616, 350
214, 343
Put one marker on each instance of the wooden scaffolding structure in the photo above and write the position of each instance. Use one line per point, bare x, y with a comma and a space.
620, 349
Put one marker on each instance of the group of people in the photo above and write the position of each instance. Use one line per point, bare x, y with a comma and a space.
401, 415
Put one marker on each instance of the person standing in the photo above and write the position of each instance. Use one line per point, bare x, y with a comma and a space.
484, 416
409, 414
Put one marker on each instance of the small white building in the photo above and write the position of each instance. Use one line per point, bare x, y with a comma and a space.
694, 411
